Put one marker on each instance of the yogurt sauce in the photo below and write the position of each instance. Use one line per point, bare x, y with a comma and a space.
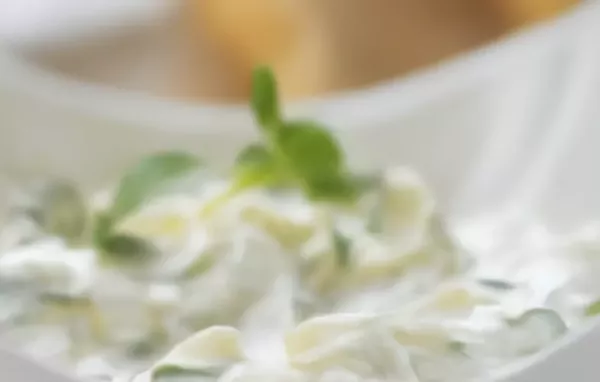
276, 288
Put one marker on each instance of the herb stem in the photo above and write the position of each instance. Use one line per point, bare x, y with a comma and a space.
210, 208
236, 188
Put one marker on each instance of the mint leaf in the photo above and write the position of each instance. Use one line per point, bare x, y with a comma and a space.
593, 309
302, 153
257, 166
146, 180
311, 150
256, 161
254, 155
149, 178
265, 98
333, 188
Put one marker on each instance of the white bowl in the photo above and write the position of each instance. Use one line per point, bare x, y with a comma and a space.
507, 86
507, 126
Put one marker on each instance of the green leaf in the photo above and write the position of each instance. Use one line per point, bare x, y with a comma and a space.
265, 98
149, 178
342, 246
593, 309
311, 151
256, 160
124, 249
254, 155
301, 152
256, 166
332, 188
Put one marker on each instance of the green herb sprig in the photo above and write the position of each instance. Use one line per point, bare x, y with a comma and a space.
292, 153
148, 179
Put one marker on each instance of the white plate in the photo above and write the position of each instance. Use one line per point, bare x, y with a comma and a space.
508, 126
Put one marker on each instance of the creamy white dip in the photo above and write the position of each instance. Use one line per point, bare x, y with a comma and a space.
273, 287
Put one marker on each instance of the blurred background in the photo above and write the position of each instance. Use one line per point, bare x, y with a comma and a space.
483, 84
203, 50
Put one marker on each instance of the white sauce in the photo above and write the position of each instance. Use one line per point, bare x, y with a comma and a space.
258, 292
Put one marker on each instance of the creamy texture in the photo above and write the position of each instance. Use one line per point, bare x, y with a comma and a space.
273, 287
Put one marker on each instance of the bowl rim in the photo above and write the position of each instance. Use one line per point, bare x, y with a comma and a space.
565, 344
340, 110
512, 372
